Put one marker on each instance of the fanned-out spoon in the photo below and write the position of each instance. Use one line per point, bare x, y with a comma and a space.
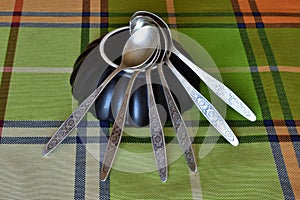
175, 115
216, 86
156, 130
159, 149
135, 56
178, 124
142, 17
145, 41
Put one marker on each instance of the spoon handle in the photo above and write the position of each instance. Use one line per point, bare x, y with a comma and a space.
73, 120
178, 124
218, 88
206, 108
156, 129
117, 130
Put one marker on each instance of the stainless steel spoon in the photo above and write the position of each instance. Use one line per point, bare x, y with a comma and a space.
159, 153
216, 86
175, 115
156, 130
117, 129
206, 108
137, 52
178, 124
143, 17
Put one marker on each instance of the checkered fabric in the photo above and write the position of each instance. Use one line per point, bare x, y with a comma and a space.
255, 45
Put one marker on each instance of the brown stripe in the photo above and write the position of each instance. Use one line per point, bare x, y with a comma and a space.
9, 60
273, 25
237, 9
282, 25
104, 19
85, 21
86, 9
254, 9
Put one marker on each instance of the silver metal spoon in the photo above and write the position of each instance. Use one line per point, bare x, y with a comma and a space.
216, 86
117, 129
175, 115
178, 124
116, 133
135, 55
221, 90
156, 127
157, 134
160, 159
206, 108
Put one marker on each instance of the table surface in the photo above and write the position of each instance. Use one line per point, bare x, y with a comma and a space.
256, 47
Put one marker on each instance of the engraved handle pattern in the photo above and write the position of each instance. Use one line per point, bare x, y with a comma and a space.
219, 89
117, 130
179, 125
206, 108
156, 129
73, 120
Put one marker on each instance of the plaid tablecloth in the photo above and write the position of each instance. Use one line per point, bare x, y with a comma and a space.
255, 45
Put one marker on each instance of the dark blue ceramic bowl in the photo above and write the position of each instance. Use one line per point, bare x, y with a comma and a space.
90, 70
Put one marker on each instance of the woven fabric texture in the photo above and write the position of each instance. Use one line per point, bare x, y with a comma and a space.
256, 47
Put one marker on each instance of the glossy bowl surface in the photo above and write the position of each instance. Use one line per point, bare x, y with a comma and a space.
90, 70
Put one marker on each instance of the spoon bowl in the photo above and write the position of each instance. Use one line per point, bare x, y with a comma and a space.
140, 47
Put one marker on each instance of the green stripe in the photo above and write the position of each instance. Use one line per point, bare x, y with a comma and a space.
260, 92
267, 47
85, 32
247, 47
287, 113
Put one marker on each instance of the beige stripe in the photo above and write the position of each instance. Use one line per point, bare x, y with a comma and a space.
244, 69
293, 69
218, 70
92, 171
289, 69
195, 185
52, 19
41, 69
42, 132
194, 177
171, 9
264, 69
